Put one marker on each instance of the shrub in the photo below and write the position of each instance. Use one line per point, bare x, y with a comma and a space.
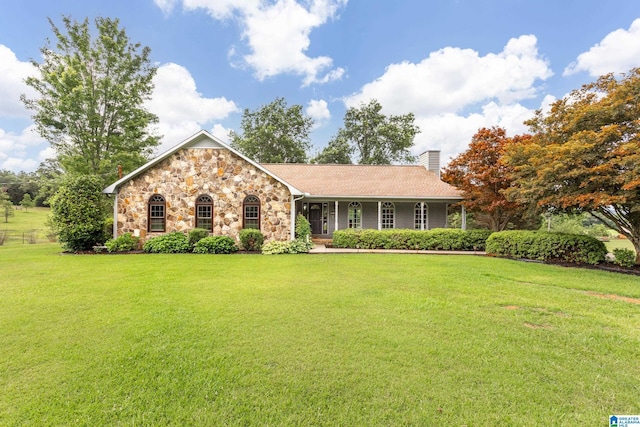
545, 246
215, 245
251, 239
77, 213
435, 239
299, 246
171, 243
124, 243
196, 235
624, 257
303, 228
275, 247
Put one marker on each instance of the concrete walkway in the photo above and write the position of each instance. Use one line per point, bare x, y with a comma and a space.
322, 249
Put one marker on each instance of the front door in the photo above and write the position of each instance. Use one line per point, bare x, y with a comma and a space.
315, 218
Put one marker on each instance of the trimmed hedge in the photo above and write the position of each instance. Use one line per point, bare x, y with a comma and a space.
434, 239
546, 246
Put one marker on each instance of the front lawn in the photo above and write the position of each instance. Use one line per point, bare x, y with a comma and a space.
293, 340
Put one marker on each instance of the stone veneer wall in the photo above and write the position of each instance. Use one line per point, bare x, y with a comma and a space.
192, 172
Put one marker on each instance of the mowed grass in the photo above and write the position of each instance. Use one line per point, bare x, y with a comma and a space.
312, 340
25, 226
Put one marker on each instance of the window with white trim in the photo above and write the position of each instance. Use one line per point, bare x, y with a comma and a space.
388, 212
421, 215
354, 215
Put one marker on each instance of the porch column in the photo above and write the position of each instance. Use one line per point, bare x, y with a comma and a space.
293, 218
464, 218
335, 228
379, 215
422, 224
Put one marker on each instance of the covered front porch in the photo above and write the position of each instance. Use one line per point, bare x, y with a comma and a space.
326, 216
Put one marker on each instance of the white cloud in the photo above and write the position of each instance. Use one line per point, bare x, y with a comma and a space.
181, 109
318, 110
221, 132
618, 52
17, 150
452, 79
165, 5
12, 75
454, 92
277, 34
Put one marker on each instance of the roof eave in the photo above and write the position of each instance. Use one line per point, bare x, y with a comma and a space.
370, 197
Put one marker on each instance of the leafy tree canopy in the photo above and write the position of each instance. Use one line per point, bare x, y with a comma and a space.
483, 177
338, 151
274, 133
585, 154
91, 95
374, 138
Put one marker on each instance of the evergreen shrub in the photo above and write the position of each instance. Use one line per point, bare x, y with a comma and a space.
170, 243
215, 245
251, 239
435, 239
123, 243
196, 235
624, 257
546, 246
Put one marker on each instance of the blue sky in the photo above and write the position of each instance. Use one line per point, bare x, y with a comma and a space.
458, 65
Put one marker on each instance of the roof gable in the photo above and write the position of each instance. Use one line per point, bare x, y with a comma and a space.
202, 139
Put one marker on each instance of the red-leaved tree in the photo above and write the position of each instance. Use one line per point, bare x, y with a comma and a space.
482, 177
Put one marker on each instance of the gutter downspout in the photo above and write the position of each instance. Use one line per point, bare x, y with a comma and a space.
115, 215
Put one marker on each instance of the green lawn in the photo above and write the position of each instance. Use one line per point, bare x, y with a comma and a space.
25, 226
619, 243
335, 339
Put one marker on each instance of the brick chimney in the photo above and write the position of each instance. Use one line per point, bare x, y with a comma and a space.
430, 160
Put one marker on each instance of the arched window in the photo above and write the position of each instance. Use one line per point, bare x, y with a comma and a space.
388, 215
421, 215
157, 213
251, 212
355, 215
204, 212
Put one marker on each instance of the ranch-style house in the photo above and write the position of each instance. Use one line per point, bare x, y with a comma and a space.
204, 183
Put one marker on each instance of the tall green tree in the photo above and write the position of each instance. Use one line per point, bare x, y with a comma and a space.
6, 207
274, 133
338, 151
27, 202
78, 212
585, 155
377, 139
91, 95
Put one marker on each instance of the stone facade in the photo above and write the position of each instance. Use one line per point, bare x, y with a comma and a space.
217, 172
